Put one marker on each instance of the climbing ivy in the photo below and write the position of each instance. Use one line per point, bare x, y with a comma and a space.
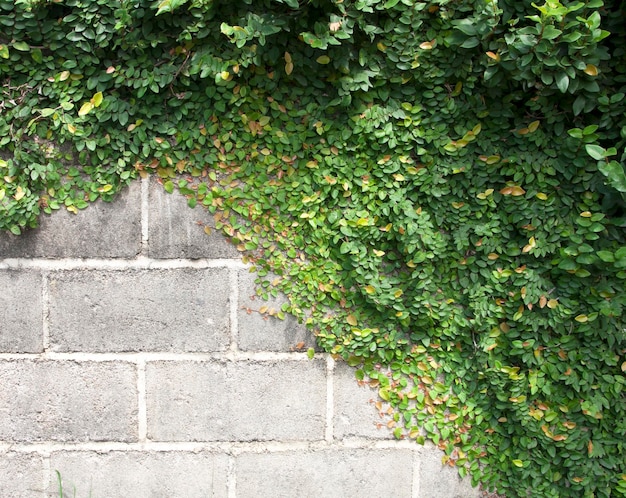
438, 187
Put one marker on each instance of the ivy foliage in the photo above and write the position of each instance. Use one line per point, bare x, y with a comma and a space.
439, 187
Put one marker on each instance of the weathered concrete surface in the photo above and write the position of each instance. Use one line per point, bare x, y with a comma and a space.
140, 474
21, 315
437, 481
178, 310
103, 230
236, 401
67, 401
21, 475
258, 331
332, 472
354, 408
177, 231
136, 361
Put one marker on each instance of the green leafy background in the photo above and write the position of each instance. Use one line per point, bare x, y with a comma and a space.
439, 188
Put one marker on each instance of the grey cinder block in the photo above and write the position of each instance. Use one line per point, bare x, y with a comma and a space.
177, 231
334, 472
236, 401
21, 474
438, 481
355, 413
68, 401
169, 474
102, 230
262, 332
174, 310
21, 315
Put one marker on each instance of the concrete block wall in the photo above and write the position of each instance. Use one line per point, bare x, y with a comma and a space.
133, 362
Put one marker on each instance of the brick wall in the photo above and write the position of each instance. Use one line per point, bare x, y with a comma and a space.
134, 362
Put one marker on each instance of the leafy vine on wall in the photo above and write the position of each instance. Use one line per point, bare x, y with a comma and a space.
438, 187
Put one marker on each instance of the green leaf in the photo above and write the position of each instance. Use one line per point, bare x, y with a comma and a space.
390, 4
37, 55
169, 5
606, 256
595, 151
614, 173
4, 51
579, 105
562, 82
471, 42
550, 32
21, 46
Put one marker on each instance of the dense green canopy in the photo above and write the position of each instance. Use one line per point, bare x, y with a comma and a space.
438, 186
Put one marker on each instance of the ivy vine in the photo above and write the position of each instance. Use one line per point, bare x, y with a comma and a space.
438, 186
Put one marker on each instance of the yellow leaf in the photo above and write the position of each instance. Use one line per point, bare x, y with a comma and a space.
493, 56
515, 191
381, 46
289, 68
398, 293
426, 46
379, 253
591, 70
19, 193
533, 126
586, 214
531, 244
485, 194
542, 196
351, 320
72, 209
96, 100
334, 26
581, 318
370, 289
323, 59
85, 109
287, 57
552, 303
